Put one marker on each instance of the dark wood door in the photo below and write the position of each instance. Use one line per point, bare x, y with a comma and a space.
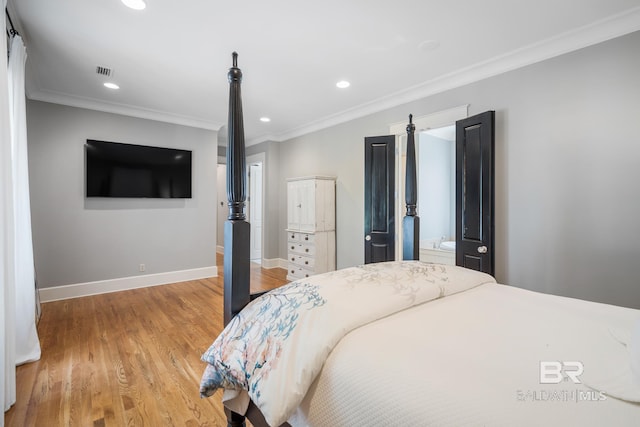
379, 189
475, 192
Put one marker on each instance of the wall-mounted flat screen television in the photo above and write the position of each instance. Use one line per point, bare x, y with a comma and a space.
125, 170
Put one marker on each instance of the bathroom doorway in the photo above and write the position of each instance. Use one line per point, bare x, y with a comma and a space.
472, 196
430, 122
436, 160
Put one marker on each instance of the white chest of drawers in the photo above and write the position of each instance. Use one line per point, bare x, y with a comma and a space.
311, 236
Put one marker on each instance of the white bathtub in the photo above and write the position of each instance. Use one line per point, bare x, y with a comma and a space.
448, 246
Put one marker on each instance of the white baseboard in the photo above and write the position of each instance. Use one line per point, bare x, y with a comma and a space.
124, 283
266, 263
274, 263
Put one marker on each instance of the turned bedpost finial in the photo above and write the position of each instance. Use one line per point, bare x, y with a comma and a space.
411, 127
235, 59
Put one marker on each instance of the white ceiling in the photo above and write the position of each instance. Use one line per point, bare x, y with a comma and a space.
171, 59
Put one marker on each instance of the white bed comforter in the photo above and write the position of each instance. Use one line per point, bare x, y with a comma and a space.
273, 350
380, 345
473, 359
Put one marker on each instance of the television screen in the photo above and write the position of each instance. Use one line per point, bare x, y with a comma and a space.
125, 170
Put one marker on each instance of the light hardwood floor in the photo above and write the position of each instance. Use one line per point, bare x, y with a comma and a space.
128, 358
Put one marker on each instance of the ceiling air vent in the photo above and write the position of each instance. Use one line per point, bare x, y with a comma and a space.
103, 71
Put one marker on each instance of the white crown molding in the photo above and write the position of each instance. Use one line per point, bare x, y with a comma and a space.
124, 283
125, 110
597, 32
263, 138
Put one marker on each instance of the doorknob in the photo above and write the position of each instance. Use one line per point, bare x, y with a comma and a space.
482, 249
367, 237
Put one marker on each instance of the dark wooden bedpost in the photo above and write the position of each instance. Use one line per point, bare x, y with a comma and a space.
411, 222
236, 228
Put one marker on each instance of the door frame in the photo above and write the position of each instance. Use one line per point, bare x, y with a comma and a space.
435, 120
258, 158
222, 209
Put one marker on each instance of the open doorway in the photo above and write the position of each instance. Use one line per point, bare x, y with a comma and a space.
255, 204
436, 161
222, 207
254, 207
422, 124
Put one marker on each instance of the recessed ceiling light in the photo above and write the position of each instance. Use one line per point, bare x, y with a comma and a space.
111, 85
265, 119
135, 4
343, 84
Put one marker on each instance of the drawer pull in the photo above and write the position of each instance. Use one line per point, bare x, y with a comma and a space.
293, 247
293, 259
306, 237
306, 262
306, 250
293, 271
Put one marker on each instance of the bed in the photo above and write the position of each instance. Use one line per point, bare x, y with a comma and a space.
411, 343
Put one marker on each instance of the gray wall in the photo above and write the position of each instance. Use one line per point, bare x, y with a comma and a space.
78, 240
566, 181
339, 152
567, 171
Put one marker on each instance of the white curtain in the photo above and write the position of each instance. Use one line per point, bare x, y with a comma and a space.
27, 343
21, 342
7, 370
